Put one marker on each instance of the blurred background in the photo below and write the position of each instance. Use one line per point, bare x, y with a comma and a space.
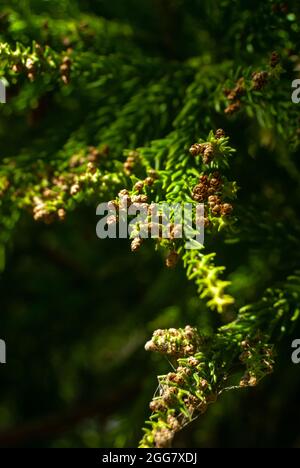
76, 311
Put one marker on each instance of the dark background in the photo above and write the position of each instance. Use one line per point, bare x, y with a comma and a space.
76, 311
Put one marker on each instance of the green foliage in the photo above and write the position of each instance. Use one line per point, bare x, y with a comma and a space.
106, 102
217, 359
